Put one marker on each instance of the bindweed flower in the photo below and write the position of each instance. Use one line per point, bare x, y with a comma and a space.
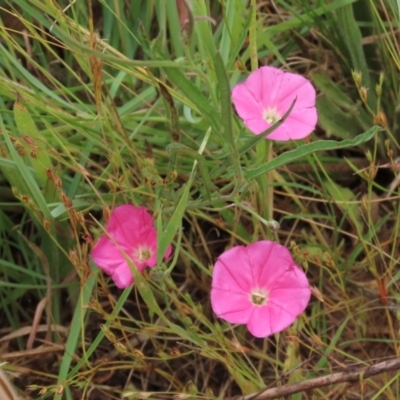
267, 94
130, 230
259, 285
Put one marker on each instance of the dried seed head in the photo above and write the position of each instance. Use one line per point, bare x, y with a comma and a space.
106, 213
364, 94
65, 200
380, 119
46, 224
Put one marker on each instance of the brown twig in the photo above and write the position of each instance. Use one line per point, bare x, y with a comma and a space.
353, 375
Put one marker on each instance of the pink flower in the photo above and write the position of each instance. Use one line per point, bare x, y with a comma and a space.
267, 94
130, 230
259, 285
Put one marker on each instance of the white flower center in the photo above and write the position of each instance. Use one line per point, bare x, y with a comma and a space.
142, 253
271, 115
259, 297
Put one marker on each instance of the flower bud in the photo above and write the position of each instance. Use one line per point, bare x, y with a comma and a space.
380, 119
156, 274
357, 76
364, 94
273, 225
378, 90
60, 389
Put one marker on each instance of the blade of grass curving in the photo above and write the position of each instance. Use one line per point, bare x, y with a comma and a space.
309, 148
194, 95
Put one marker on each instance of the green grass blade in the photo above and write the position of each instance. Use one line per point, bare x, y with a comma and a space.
306, 149
26, 126
76, 329
26, 174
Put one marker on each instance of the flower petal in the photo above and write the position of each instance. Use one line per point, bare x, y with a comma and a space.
294, 86
252, 84
231, 271
127, 223
268, 260
246, 105
122, 276
231, 306
291, 300
257, 125
267, 320
106, 255
270, 86
260, 323
282, 309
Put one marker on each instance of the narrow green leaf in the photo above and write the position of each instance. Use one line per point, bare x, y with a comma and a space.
193, 94
225, 96
323, 362
350, 31
175, 223
95, 343
203, 30
226, 114
26, 126
309, 148
77, 327
146, 293
348, 26
26, 174
232, 14
173, 23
